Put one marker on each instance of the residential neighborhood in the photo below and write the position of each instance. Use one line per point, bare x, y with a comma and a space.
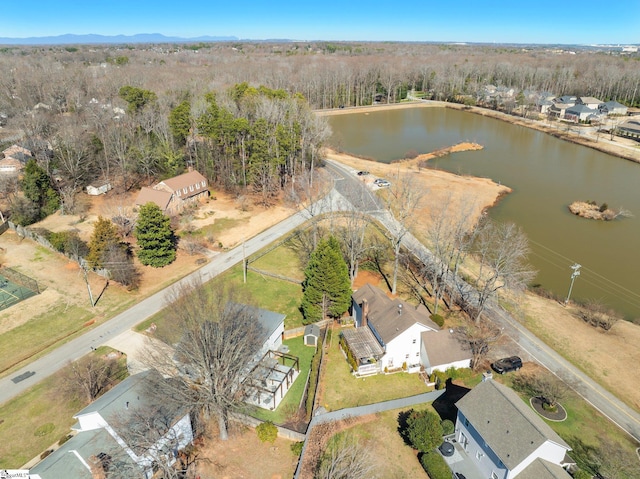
300, 243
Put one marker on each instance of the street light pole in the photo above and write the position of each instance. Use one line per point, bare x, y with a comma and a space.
576, 272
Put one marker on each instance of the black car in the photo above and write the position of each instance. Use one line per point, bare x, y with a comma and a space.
505, 365
363, 173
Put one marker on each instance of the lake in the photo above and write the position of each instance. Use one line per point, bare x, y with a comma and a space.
546, 175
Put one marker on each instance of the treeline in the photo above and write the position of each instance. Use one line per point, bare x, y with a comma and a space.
133, 115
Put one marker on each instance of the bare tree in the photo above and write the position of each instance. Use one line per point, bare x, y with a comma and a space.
448, 238
501, 250
352, 236
403, 201
346, 458
90, 376
220, 338
479, 338
597, 315
547, 387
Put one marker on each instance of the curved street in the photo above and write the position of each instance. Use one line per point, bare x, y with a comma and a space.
348, 194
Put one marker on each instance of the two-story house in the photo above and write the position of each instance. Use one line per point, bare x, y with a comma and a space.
173, 194
391, 334
124, 433
505, 438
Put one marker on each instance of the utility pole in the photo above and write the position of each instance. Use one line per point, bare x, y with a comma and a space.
244, 263
86, 279
576, 272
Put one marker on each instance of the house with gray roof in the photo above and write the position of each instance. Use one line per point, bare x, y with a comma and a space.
629, 129
613, 108
123, 433
589, 101
390, 333
580, 113
505, 438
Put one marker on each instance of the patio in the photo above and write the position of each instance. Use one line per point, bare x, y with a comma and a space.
460, 462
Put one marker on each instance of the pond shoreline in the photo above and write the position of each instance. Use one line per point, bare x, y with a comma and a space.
623, 148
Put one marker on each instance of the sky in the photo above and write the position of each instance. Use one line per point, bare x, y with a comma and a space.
497, 21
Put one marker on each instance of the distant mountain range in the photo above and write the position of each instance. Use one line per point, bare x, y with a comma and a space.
71, 39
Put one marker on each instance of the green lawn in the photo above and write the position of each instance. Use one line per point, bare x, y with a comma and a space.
266, 292
40, 333
291, 401
341, 389
35, 420
283, 261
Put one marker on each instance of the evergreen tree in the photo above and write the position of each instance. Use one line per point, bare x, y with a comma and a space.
36, 186
424, 430
104, 237
327, 288
156, 241
180, 122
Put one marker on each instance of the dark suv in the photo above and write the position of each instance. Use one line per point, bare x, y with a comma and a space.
505, 365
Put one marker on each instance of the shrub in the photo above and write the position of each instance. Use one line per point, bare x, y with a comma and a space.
436, 318
46, 453
45, 429
447, 427
64, 439
423, 431
296, 448
267, 432
435, 465
603, 207
581, 474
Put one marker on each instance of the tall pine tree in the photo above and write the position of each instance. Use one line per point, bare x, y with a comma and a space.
327, 288
104, 238
156, 241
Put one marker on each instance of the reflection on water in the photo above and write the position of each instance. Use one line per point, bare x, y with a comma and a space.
546, 175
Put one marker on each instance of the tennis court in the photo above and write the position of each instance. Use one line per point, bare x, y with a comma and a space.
15, 287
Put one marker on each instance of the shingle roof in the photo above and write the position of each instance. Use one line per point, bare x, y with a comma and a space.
541, 469
269, 320
130, 392
185, 180
580, 109
442, 347
509, 427
391, 317
149, 195
64, 462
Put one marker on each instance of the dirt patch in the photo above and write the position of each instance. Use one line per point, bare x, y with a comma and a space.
244, 456
440, 187
420, 159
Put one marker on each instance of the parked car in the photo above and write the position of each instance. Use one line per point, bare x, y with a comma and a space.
505, 365
363, 173
381, 182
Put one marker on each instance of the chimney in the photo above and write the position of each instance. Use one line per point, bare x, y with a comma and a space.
365, 313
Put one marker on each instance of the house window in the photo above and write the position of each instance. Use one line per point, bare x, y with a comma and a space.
406, 356
414, 341
479, 455
184, 190
494, 475
204, 185
197, 186
190, 187
178, 193
417, 354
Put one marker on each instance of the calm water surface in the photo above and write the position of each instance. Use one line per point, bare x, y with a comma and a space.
546, 175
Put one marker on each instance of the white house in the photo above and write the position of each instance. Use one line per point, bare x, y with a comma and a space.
613, 108
127, 429
589, 102
505, 438
390, 334
580, 113
441, 350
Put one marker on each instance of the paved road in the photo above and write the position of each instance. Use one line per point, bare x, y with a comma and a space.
75, 349
349, 189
